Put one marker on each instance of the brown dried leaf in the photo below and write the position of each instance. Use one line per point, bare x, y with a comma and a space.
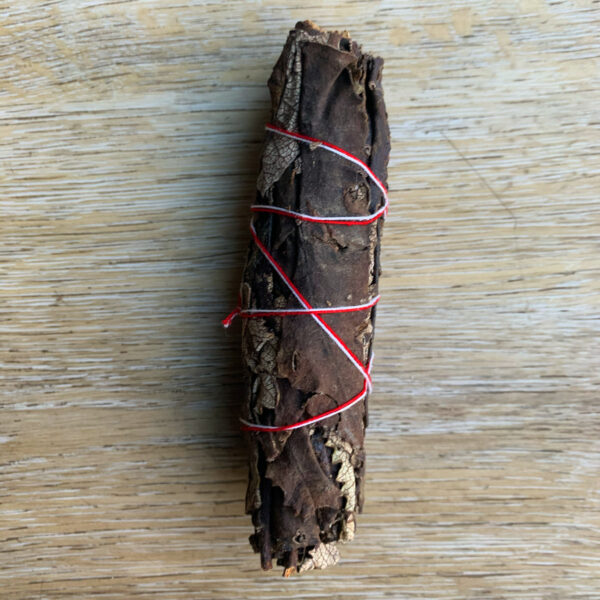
297, 472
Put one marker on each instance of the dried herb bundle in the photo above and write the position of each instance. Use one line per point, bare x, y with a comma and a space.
306, 485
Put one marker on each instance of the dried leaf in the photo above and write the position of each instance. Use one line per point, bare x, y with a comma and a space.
279, 152
323, 556
297, 472
260, 354
342, 455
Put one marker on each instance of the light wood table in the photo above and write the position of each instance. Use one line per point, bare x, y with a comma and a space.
129, 142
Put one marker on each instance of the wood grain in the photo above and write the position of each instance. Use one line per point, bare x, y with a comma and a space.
129, 138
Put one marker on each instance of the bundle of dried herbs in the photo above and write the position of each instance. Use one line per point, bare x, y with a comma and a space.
306, 485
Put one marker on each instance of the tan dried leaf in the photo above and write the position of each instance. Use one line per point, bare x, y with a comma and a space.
261, 354
269, 393
342, 454
259, 334
279, 151
321, 557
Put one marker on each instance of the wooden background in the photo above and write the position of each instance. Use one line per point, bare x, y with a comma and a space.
129, 140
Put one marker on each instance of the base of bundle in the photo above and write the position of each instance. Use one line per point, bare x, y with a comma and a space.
299, 560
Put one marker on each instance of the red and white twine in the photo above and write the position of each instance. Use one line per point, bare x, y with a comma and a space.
308, 309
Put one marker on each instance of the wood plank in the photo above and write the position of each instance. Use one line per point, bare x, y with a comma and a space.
129, 140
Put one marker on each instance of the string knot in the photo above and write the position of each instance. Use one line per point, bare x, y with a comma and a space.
231, 316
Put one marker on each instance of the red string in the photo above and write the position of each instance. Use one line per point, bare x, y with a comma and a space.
311, 219
308, 308
328, 413
331, 147
290, 312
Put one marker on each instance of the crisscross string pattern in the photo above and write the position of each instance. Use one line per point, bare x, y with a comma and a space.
307, 308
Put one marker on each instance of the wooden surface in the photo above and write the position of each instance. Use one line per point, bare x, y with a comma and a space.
129, 143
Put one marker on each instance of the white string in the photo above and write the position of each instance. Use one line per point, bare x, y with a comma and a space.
300, 311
